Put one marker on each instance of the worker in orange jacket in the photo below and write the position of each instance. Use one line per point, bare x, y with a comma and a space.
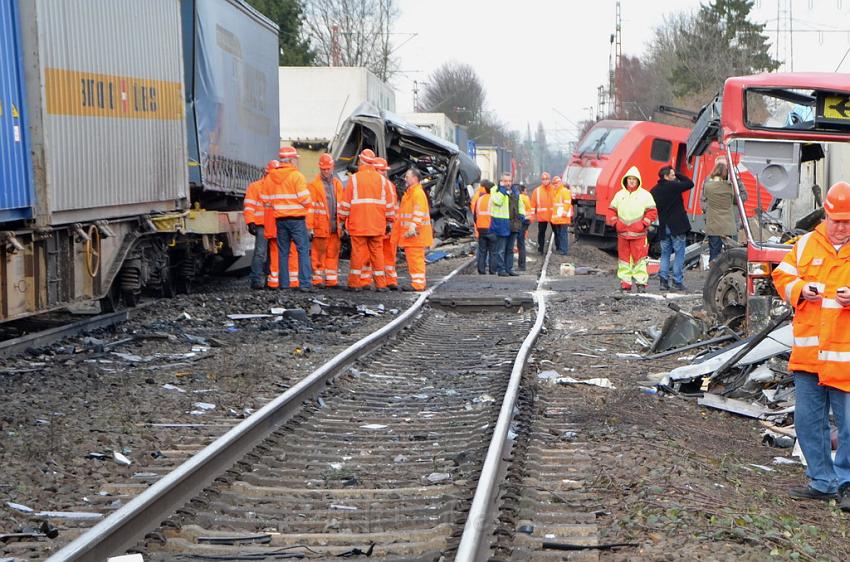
291, 204
367, 211
413, 233
326, 192
390, 244
254, 212
814, 279
562, 212
486, 239
541, 208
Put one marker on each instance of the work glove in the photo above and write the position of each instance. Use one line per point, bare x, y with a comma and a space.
411, 231
343, 232
252, 228
652, 229
388, 228
311, 234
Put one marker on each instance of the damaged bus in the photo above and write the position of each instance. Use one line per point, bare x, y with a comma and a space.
448, 173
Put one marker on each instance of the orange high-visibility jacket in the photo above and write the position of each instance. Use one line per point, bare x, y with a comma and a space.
414, 210
252, 205
562, 212
529, 210
366, 204
482, 212
479, 191
267, 190
288, 194
319, 217
541, 202
822, 327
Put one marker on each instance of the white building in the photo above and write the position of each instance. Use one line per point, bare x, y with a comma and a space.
438, 124
315, 100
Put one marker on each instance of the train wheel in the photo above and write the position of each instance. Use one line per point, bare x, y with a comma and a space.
112, 300
725, 291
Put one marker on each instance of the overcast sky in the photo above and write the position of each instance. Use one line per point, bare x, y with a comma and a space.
540, 57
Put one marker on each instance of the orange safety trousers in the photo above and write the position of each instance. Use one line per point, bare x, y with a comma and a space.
367, 251
324, 256
390, 251
415, 257
632, 254
274, 272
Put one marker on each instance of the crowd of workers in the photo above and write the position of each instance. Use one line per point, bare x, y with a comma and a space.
299, 227
503, 214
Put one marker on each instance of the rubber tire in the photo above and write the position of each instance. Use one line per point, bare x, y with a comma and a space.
731, 262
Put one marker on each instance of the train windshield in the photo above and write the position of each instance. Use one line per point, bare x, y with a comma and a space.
602, 140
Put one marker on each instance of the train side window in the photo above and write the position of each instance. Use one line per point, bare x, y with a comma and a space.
661, 149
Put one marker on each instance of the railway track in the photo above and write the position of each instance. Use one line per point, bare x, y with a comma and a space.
388, 461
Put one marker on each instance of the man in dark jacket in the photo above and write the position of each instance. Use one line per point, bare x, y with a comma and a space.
673, 224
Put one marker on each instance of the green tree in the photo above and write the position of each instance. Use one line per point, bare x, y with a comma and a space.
289, 16
718, 42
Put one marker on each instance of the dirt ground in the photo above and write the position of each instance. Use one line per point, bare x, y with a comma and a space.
682, 481
185, 362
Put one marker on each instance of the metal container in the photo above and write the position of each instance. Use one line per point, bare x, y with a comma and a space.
104, 81
15, 173
231, 93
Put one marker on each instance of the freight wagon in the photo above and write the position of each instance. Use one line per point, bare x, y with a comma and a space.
127, 137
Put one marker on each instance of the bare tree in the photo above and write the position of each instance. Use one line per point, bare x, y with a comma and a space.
456, 90
353, 33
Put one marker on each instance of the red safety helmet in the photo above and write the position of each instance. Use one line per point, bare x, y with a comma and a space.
837, 204
367, 156
287, 152
381, 165
272, 165
326, 162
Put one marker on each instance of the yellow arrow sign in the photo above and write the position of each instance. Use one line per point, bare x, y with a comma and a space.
837, 107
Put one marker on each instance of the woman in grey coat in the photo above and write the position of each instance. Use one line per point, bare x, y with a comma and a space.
718, 205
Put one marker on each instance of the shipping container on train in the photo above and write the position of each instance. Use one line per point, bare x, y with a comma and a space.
232, 104
108, 110
15, 173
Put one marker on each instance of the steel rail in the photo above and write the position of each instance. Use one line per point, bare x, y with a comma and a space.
472, 546
146, 511
49, 336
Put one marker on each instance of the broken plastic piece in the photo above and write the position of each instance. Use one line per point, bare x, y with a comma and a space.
121, 459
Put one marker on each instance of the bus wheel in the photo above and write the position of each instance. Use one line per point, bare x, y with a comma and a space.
725, 291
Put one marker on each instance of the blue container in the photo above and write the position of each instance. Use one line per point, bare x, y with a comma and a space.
16, 190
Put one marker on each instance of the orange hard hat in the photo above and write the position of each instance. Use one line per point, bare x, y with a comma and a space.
381, 165
326, 162
544, 176
287, 152
837, 204
556, 179
367, 156
272, 165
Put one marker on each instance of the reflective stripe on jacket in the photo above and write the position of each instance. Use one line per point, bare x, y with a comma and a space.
821, 327
252, 205
529, 210
319, 217
414, 209
482, 212
366, 204
288, 195
562, 211
542, 199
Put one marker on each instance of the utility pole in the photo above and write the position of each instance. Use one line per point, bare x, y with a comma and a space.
335, 54
600, 103
416, 96
785, 35
615, 61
